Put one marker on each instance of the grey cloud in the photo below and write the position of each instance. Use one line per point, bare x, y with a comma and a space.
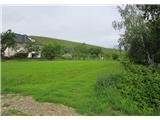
89, 24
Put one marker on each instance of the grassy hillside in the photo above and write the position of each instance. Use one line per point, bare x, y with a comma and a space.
71, 83
45, 40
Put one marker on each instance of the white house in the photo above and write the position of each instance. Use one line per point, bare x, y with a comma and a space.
21, 41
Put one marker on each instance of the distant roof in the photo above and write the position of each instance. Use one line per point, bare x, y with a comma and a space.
24, 38
21, 38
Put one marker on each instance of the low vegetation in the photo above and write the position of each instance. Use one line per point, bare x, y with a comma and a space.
138, 84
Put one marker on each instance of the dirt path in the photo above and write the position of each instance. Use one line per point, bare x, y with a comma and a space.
24, 105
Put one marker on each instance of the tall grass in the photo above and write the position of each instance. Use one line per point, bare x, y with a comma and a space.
106, 90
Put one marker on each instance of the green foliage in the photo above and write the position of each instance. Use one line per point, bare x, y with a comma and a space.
115, 56
70, 47
150, 12
21, 55
157, 56
7, 40
134, 40
52, 51
30, 46
67, 56
67, 49
48, 52
84, 52
106, 89
139, 84
143, 86
58, 50
105, 82
94, 52
81, 51
141, 36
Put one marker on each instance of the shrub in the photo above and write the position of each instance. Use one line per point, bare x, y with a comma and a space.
138, 83
94, 52
68, 49
58, 50
21, 55
67, 56
142, 84
48, 52
115, 56
81, 51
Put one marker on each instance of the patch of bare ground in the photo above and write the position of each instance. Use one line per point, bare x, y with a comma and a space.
14, 105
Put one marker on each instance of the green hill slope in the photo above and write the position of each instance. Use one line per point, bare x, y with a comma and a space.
46, 40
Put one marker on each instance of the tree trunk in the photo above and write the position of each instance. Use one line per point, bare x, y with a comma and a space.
3, 51
150, 58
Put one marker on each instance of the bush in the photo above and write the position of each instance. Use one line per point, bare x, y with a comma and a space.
48, 52
94, 52
81, 51
138, 83
142, 84
67, 56
21, 55
115, 56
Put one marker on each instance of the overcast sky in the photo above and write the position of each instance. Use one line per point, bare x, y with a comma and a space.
89, 24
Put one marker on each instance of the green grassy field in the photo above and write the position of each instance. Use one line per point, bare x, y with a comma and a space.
71, 83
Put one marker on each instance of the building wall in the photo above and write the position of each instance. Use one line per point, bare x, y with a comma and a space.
9, 52
19, 47
12, 51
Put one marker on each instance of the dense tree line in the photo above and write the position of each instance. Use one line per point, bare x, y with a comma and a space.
78, 52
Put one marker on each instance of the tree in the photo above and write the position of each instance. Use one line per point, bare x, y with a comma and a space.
52, 51
137, 39
151, 14
81, 51
68, 49
29, 46
58, 50
94, 52
115, 56
48, 52
7, 40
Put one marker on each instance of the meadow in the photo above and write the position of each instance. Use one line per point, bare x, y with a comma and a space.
71, 83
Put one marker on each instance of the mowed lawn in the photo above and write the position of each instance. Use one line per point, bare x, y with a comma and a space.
71, 83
